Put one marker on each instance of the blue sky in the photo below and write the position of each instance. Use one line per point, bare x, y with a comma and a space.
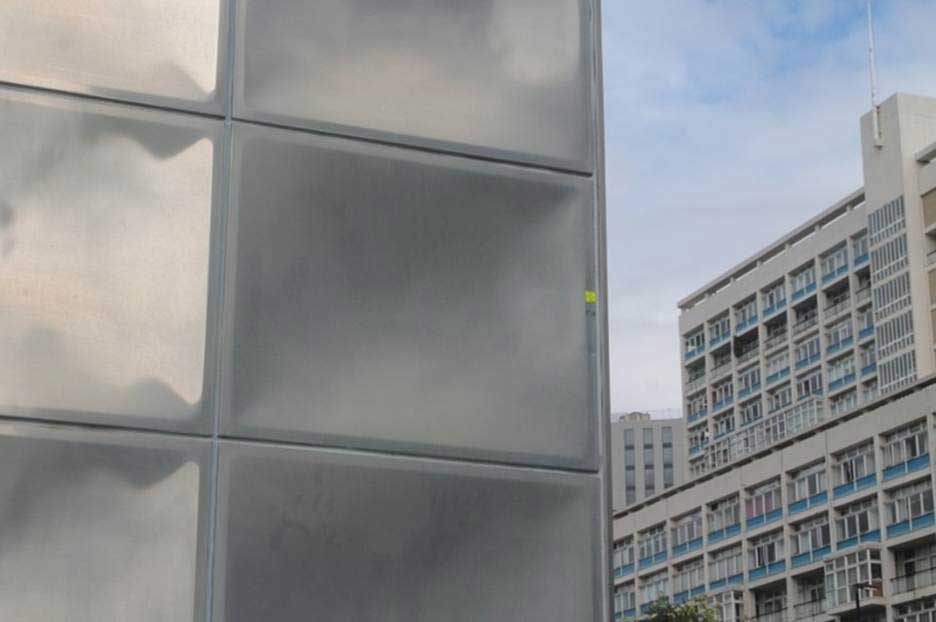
728, 123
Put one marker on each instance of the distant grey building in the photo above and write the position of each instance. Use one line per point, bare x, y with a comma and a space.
646, 456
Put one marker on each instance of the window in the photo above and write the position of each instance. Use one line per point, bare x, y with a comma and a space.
865, 320
667, 457
808, 482
751, 412
630, 474
763, 499
809, 385
623, 553
886, 221
842, 573
719, 329
780, 398
689, 576
843, 401
695, 341
624, 599
724, 513
725, 563
889, 258
746, 312
869, 391
652, 542
808, 350
811, 535
897, 372
857, 518
777, 363
769, 601
766, 549
723, 392
892, 296
729, 606
749, 380
724, 424
905, 444
868, 356
697, 405
841, 370
835, 260
860, 245
649, 471
653, 587
923, 610
775, 296
838, 333
910, 502
698, 436
855, 464
895, 334
804, 278
687, 529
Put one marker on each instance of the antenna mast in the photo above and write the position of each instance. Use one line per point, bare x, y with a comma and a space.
872, 69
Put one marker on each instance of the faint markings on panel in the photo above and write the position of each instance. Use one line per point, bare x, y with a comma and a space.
505, 78
307, 534
385, 298
157, 51
105, 223
101, 526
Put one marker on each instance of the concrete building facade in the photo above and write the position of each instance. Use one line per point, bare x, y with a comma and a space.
647, 457
810, 396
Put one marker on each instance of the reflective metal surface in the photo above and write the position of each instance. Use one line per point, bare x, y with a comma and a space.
105, 227
307, 534
384, 298
505, 78
101, 526
166, 52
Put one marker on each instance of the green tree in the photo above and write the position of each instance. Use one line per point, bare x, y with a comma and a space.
695, 610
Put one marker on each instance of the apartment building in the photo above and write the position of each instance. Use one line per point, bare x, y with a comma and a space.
647, 457
810, 399
831, 315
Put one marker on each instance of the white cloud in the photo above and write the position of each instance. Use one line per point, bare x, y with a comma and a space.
728, 123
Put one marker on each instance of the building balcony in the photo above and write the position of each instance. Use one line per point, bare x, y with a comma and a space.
720, 370
651, 560
720, 583
763, 519
844, 381
831, 276
810, 502
695, 383
860, 259
804, 324
920, 579
770, 310
840, 345
624, 570
804, 291
723, 534
690, 354
869, 369
837, 307
685, 547
873, 535
627, 614
746, 324
766, 571
776, 340
717, 339
684, 595
809, 609
722, 403
778, 375
748, 355
914, 464
872, 602
742, 393
911, 524
864, 333
812, 360
808, 557
863, 295
693, 417
773, 616
855, 485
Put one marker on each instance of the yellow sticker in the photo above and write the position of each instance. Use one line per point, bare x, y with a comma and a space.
591, 297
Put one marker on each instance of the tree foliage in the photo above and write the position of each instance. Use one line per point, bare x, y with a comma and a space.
695, 610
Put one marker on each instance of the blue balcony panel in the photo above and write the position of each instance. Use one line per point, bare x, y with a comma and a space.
870, 536
869, 369
818, 499
626, 569
645, 562
843, 489
773, 515
866, 332
801, 560
778, 566
867, 480
732, 530
695, 544
681, 597
714, 585
797, 506
659, 557
757, 573
920, 462
847, 542
715, 536
679, 549
645, 608
736, 578
860, 259
754, 521
629, 613
820, 553
898, 528
926, 520
894, 470
699, 589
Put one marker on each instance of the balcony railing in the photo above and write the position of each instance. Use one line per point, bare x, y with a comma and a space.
863, 294
695, 384
720, 370
747, 355
775, 340
773, 616
804, 324
809, 609
837, 306
919, 579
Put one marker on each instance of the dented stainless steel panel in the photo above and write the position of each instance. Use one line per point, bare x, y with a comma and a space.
99, 525
510, 79
391, 299
311, 534
105, 235
163, 52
